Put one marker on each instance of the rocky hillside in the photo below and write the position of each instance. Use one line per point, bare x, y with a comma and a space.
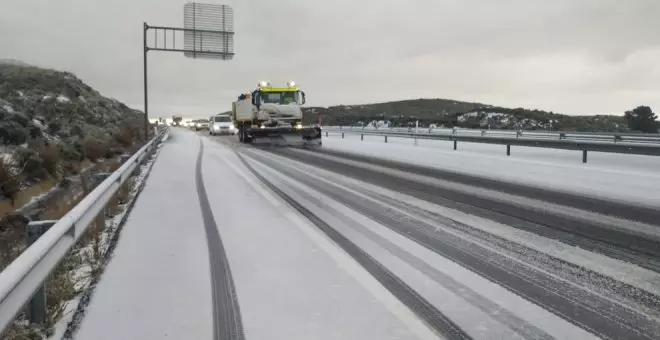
38, 102
445, 112
51, 122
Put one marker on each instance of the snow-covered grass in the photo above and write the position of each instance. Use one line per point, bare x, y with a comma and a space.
7, 157
631, 178
63, 99
37, 198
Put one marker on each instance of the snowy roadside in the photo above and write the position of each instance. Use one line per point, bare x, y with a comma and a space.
87, 274
618, 177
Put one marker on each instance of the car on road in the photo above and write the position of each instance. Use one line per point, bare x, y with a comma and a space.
221, 124
200, 124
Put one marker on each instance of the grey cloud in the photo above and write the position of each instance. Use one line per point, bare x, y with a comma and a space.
575, 56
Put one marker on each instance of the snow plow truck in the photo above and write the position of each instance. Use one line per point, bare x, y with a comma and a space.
274, 115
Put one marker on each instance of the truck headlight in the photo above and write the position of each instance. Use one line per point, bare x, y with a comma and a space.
231, 127
298, 126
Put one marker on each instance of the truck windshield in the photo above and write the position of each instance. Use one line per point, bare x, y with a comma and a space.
282, 98
222, 119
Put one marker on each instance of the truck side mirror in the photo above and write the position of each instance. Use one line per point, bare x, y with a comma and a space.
255, 98
303, 97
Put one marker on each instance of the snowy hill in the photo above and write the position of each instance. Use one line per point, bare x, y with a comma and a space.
13, 62
446, 112
51, 121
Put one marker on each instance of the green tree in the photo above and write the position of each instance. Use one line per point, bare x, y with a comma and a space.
642, 119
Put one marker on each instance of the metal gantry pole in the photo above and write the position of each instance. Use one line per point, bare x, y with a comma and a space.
146, 95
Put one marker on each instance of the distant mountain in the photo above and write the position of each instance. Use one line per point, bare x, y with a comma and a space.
446, 112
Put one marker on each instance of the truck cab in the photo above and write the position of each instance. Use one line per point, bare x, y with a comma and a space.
271, 113
280, 104
270, 106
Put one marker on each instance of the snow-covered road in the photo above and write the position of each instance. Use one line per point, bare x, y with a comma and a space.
291, 281
227, 242
157, 285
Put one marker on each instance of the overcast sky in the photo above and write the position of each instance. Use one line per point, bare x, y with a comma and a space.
569, 56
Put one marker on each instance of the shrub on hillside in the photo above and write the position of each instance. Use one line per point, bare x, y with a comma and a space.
32, 164
20, 118
54, 127
12, 227
35, 132
125, 136
12, 132
71, 151
10, 182
50, 155
95, 148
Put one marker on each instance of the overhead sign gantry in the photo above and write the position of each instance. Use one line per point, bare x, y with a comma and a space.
208, 33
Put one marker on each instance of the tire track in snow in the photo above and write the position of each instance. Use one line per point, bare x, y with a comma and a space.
611, 207
589, 235
227, 323
552, 294
523, 328
644, 281
431, 315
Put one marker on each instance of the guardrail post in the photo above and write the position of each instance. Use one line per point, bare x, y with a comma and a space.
508, 149
385, 138
455, 144
123, 158
98, 178
415, 140
584, 156
342, 135
37, 306
362, 136
326, 133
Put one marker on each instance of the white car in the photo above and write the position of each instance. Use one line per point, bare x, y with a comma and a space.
200, 124
221, 124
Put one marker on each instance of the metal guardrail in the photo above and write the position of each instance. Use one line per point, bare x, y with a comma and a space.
27, 273
649, 148
627, 137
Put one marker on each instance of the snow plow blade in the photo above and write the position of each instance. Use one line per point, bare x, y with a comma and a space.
287, 136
